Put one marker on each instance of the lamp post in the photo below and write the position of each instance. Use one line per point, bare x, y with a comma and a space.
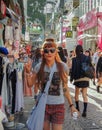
61, 27
61, 37
49, 17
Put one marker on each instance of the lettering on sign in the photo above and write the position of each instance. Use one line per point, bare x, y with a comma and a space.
69, 34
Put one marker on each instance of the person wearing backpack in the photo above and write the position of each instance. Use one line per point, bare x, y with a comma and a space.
81, 82
99, 72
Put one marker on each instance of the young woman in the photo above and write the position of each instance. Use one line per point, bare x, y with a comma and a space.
54, 112
80, 81
99, 72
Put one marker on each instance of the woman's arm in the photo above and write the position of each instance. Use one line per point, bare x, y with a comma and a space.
31, 78
30, 75
68, 97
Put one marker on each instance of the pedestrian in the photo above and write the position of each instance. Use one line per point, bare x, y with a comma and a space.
36, 59
95, 57
55, 109
80, 81
61, 54
99, 72
72, 54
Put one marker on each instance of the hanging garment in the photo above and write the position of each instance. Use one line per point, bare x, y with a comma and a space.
2, 116
1, 73
19, 89
27, 90
1, 34
13, 78
9, 33
4, 92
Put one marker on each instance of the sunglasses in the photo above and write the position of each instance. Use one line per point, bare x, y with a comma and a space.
49, 50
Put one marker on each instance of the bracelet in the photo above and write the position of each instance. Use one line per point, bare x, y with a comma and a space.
70, 105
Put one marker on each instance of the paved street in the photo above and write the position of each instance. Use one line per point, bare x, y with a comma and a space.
94, 114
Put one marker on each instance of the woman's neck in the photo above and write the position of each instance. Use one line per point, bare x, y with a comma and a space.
50, 63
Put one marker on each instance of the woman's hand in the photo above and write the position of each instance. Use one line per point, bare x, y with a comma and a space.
28, 66
73, 109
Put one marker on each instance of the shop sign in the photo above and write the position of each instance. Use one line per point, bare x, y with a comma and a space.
69, 34
75, 21
64, 29
2, 9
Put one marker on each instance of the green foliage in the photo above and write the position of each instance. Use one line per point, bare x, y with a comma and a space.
35, 10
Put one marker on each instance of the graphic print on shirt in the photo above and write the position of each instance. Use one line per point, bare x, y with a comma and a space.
55, 84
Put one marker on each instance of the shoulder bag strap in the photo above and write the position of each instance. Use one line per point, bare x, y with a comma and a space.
50, 78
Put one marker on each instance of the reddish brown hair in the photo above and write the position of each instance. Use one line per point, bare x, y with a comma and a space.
63, 75
49, 43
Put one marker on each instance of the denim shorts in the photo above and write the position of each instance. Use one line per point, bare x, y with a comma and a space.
55, 113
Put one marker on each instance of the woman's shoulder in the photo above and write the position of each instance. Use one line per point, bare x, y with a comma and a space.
65, 66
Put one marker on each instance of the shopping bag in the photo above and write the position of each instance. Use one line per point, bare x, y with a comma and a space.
36, 118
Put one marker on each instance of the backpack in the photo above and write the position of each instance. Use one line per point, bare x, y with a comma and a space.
87, 70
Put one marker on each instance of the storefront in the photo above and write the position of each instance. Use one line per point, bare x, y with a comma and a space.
89, 30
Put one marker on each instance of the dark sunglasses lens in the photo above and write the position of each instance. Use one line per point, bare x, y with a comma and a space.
49, 50
46, 51
52, 50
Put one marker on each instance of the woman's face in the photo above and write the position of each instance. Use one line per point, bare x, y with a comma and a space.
87, 53
49, 54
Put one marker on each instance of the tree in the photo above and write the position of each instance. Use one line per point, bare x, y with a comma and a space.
35, 10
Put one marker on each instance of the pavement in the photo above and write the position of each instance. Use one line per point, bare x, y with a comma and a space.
93, 121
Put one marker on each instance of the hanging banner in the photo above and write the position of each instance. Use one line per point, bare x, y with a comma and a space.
79, 34
100, 32
88, 21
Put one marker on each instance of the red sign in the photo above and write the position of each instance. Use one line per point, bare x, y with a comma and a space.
88, 21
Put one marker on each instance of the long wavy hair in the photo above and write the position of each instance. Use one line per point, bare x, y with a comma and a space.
40, 75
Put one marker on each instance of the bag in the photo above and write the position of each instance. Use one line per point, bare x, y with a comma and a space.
87, 70
36, 118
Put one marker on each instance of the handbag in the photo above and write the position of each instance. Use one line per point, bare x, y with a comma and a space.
36, 118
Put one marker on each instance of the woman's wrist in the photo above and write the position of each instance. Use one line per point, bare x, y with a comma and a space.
71, 105
30, 73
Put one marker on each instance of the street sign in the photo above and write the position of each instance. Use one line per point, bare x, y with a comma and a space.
69, 34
